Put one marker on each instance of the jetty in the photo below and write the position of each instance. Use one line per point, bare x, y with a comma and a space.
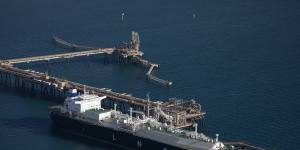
176, 112
127, 52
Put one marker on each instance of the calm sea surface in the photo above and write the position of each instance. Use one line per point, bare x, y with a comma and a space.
239, 59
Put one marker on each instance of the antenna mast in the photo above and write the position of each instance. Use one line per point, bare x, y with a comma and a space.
148, 100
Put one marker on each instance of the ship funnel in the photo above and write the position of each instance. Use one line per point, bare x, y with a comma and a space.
72, 93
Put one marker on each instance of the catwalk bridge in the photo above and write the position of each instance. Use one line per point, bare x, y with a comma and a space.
59, 56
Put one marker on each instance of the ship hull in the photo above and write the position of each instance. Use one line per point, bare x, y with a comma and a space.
122, 139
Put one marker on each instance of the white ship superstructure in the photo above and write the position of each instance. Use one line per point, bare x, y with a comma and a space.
87, 108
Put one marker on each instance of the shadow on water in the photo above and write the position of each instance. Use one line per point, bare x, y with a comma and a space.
34, 125
29, 95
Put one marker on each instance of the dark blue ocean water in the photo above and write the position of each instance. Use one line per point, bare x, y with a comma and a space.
239, 59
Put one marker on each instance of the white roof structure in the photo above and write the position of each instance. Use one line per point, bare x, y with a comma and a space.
83, 102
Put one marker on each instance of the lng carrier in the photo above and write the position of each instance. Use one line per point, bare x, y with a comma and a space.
83, 115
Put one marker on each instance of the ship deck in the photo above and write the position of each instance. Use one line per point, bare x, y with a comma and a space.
100, 111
